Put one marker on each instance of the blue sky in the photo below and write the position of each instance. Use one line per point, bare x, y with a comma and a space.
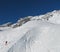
12, 10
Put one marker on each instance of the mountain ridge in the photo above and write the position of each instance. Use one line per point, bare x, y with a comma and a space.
21, 21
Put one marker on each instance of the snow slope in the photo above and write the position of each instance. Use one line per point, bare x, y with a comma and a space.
45, 37
32, 34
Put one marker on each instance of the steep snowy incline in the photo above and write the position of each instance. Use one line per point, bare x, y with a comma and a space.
45, 37
12, 35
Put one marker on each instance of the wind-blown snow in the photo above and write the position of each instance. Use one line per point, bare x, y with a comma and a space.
32, 34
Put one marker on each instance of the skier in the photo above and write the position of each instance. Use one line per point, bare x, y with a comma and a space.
6, 42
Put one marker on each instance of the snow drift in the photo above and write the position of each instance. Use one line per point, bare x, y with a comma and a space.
32, 34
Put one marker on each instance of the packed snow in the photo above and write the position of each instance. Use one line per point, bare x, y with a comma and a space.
32, 34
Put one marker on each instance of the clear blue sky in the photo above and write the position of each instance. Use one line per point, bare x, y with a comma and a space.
12, 10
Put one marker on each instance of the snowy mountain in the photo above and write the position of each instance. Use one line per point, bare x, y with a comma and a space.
32, 34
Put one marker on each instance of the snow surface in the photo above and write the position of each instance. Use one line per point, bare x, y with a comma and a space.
32, 34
